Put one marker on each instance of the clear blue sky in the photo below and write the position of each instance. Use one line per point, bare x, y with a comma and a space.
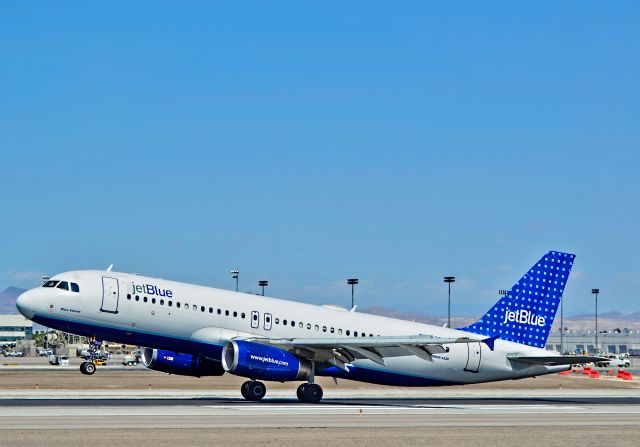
305, 143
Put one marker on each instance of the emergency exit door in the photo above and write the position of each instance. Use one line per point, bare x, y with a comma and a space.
110, 295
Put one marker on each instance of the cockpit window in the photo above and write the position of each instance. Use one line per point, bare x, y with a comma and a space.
63, 285
75, 287
50, 284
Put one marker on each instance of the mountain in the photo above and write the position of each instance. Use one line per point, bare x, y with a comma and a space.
8, 300
606, 320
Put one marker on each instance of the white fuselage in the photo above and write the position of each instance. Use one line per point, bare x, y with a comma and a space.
120, 307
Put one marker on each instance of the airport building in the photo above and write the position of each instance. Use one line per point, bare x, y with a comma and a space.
623, 341
14, 328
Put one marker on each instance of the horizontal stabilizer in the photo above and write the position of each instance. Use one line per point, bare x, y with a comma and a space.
555, 360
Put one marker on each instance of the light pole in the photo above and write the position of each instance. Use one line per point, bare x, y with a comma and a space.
596, 292
263, 284
449, 280
561, 326
234, 274
352, 282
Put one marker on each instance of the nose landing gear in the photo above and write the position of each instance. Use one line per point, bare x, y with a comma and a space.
87, 368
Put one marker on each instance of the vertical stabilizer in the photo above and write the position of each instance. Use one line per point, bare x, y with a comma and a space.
525, 314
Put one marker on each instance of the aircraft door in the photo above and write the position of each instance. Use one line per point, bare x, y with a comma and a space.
110, 294
474, 356
255, 319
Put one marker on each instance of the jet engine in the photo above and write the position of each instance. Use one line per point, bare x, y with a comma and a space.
258, 361
180, 364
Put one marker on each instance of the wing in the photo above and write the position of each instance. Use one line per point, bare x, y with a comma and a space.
554, 360
342, 351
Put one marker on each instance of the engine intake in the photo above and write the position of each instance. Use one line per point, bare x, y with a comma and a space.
180, 364
258, 361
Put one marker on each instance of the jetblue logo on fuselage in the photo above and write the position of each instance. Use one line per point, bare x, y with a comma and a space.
524, 317
151, 290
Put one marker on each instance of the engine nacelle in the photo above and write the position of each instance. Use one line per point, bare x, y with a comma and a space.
258, 361
180, 364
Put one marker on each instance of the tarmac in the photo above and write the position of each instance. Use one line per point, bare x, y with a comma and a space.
61, 407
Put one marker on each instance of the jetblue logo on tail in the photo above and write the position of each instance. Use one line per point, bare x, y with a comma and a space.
524, 317
525, 314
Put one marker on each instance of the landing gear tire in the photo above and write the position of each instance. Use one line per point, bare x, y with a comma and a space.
312, 393
300, 392
87, 368
244, 389
253, 390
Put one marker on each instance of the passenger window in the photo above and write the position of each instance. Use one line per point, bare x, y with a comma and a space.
277, 320
144, 299
186, 306
226, 313
339, 331
201, 308
153, 301
331, 330
178, 304
50, 284
137, 298
170, 303
324, 329
128, 296
162, 302
293, 323
301, 325
63, 285
309, 326
219, 311
75, 287
284, 322
316, 327
235, 314
211, 310
348, 332
355, 333
242, 315
194, 307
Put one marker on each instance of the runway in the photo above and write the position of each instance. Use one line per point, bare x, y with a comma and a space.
446, 422
224, 413
147, 408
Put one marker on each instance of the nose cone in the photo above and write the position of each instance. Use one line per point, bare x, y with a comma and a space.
24, 303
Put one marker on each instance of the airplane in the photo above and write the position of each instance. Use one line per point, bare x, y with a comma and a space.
193, 330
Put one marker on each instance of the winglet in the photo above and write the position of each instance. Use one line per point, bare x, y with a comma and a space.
491, 341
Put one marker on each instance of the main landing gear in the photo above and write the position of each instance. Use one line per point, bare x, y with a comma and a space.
310, 393
253, 390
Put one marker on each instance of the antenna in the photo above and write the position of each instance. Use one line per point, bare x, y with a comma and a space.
109, 268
